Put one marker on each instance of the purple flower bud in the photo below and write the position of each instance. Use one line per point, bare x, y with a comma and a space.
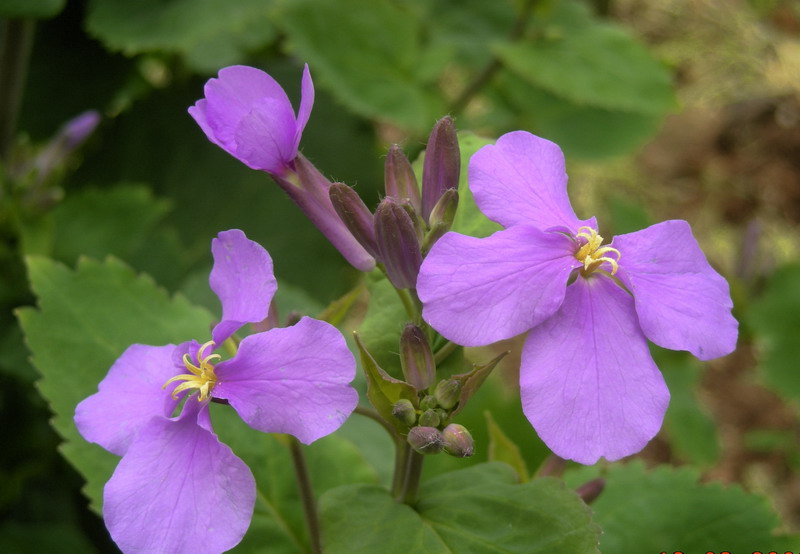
71, 135
442, 164
355, 215
397, 244
426, 440
442, 216
457, 441
447, 393
416, 358
400, 181
404, 410
590, 490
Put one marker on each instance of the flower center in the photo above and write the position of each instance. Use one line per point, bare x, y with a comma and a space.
592, 254
202, 377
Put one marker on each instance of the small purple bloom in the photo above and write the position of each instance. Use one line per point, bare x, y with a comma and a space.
177, 488
588, 383
247, 114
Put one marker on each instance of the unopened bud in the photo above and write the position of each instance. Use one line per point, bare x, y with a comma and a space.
590, 490
429, 418
441, 219
400, 181
355, 215
426, 440
416, 357
457, 441
404, 410
398, 245
428, 403
447, 393
442, 164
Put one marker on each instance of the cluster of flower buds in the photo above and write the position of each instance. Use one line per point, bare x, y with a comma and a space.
406, 223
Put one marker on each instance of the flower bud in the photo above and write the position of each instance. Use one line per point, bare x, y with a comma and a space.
447, 393
404, 410
426, 440
416, 358
590, 490
397, 244
442, 164
400, 181
429, 418
428, 403
441, 219
457, 441
355, 215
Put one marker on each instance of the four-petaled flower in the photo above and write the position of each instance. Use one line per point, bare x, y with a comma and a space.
177, 488
588, 383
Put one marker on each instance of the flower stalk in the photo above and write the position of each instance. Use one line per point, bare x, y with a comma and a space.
306, 494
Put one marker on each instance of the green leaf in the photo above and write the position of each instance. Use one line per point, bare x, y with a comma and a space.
669, 510
503, 449
13, 9
85, 319
469, 219
383, 323
775, 320
472, 380
211, 33
692, 432
383, 390
589, 62
479, 509
369, 62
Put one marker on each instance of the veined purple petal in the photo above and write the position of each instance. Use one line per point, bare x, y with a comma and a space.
682, 302
291, 380
478, 291
129, 397
522, 180
589, 386
178, 489
265, 136
198, 112
234, 94
306, 103
243, 281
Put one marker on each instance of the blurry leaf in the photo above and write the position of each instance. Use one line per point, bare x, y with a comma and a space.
211, 33
503, 449
592, 63
63, 538
669, 510
472, 380
383, 390
692, 432
627, 216
366, 53
85, 319
12, 9
383, 323
480, 509
775, 320
337, 310
469, 219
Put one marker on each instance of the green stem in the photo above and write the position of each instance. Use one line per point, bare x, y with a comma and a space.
445, 351
372, 414
401, 455
306, 494
15, 50
413, 476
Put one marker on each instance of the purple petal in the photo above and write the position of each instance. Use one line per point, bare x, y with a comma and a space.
198, 112
589, 386
306, 103
521, 180
234, 94
265, 137
130, 396
683, 304
291, 380
478, 291
243, 280
178, 489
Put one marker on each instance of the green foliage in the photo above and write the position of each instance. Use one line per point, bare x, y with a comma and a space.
30, 8
503, 449
775, 318
668, 510
480, 509
469, 219
370, 62
85, 319
210, 33
383, 323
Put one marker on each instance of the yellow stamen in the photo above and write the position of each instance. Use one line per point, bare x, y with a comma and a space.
202, 377
592, 254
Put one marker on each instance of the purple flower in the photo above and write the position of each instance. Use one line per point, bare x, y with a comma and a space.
588, 384
177, 488
247, 114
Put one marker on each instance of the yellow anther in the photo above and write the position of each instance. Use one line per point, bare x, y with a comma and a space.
592, 254
202, 376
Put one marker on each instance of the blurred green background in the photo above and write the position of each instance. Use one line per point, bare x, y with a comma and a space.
683, 109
